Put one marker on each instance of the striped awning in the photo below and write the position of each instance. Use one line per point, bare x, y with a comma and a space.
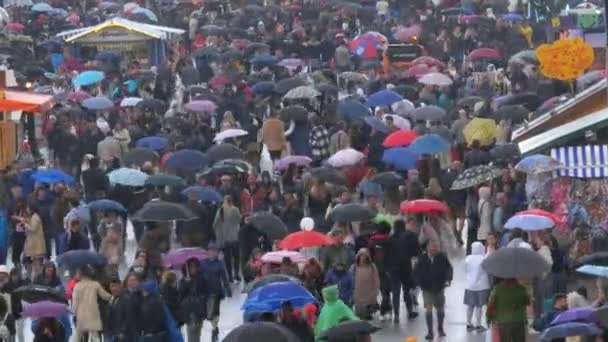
589, 161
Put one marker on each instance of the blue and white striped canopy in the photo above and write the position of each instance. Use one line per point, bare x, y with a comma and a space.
588, 161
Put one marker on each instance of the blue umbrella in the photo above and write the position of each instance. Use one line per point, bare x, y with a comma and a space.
429, 144
127, 177
264, 60
203, 193
186, 160
538, 163
131, 85
376, 123
42, 7
383, 98
512, 17
529, 222
402, 158
98, 103
155, 143
88, 78
569, 329
52, 176
594, 270
107, 56
149, 14
352, 109
263, 88
60, 12
268, 298
76, 259
106, 204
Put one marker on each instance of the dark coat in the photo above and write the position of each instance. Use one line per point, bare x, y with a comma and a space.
433, 276
300, 328
402, 247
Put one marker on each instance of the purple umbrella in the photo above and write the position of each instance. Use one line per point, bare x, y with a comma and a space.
45, 309
201, 106
179, 257
581, 315
284, 162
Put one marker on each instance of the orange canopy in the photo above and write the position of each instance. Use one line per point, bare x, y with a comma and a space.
27, 102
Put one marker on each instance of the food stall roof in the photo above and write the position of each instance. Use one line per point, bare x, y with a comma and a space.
152, 31
24, 101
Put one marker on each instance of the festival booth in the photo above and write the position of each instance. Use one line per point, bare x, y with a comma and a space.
149, 44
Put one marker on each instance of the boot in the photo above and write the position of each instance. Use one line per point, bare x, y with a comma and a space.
215, 334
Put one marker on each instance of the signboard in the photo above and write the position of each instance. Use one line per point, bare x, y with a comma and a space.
403, 52
113, 35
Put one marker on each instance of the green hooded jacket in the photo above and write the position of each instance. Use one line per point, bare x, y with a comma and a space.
333, 312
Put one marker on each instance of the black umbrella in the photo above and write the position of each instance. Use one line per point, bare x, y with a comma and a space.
269, 279
37, 293
269, 224
261, 331
213, 30
295, 113
388, 178
206, 52
351, 212
598, 258
76, 259
224, 151
469, 101
515, 113
285, 85
256, 47
139, 156
326, 174
231, 54
157, 210
152, 105
327, 89
239, 164
349, 330
529, 100
505, 151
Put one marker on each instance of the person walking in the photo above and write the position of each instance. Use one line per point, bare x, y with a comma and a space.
85, 306
477, 287
213, 273
227, 225
192, 300
273, 135
434, 273
507, 309
333, 312
367, 285
35, 247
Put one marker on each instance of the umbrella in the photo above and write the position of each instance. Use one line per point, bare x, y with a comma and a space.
598, 258
436, 79
366, 45
329, 175
155, 143
152, 105
387, 178
399, 121
276, 257
302, 92
400, 138
353, 76
594, 270
423, 206
269, 224
158, 210
327, 89
78, 96
474, 176
429, 144
574, 315
376, 123
291, 63
401, 158
383, 98
419, 70
483, 53
44, 309
38, 293
403, 107
352, 212
179, 257
515, 262
15, 27
538, 163
52, 176
515, 113
264, 60
285, 85
186, 160
349, 330
149, 14
346, 157
98, 103
299, 161
224, 151
589, 78
551, 103
295, 113
481, 130
139, 156
206, 52
201, 106
203, 193
529, 222
42, 7
270, 297
569, 329
87, 78
213, 30
428, 113
600, 315
106, 204
273, 278
261, 331
455, 11
130, 101
127, 177
428, 60
76, 259
263, 88
524, 57
504, 151
305, 239
529, 100
539, 212
469, 101
161, 179
352, 109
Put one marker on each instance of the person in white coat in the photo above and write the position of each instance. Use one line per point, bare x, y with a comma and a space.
477, 288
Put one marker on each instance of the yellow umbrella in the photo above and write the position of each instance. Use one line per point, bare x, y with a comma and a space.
482, 130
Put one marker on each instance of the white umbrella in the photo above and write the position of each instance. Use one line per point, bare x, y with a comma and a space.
399, 121
302, 92
403, 107
435, 78
230, 133
346, 157
130, 101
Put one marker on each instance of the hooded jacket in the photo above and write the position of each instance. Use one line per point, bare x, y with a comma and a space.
366, 279
476, 276
333, 311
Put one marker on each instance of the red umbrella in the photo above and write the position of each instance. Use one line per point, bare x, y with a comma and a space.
418, 70
220, 81
423, 206
428, 60
303, 239
400, 138
483, 53
14, 27
539, 212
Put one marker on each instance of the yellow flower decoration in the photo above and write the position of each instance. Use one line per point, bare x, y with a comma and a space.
565, 59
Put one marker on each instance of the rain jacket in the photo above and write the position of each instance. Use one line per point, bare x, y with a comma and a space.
476, 276
150, 286
344, 281
333, 312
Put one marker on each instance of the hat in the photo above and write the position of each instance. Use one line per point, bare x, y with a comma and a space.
307, 224
4, 269
212, 245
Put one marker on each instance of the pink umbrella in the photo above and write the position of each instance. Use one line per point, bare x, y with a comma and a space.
283, 163
483, 53
435, 78
201, 106
14, 27
179, 257
78, 96
418, 70
430, 61
277, 257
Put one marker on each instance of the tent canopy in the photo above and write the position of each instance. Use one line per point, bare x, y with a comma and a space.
27, 102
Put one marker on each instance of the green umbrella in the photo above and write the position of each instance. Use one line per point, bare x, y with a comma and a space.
475, 175
163, 179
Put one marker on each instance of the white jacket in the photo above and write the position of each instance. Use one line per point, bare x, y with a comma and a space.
476, 277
